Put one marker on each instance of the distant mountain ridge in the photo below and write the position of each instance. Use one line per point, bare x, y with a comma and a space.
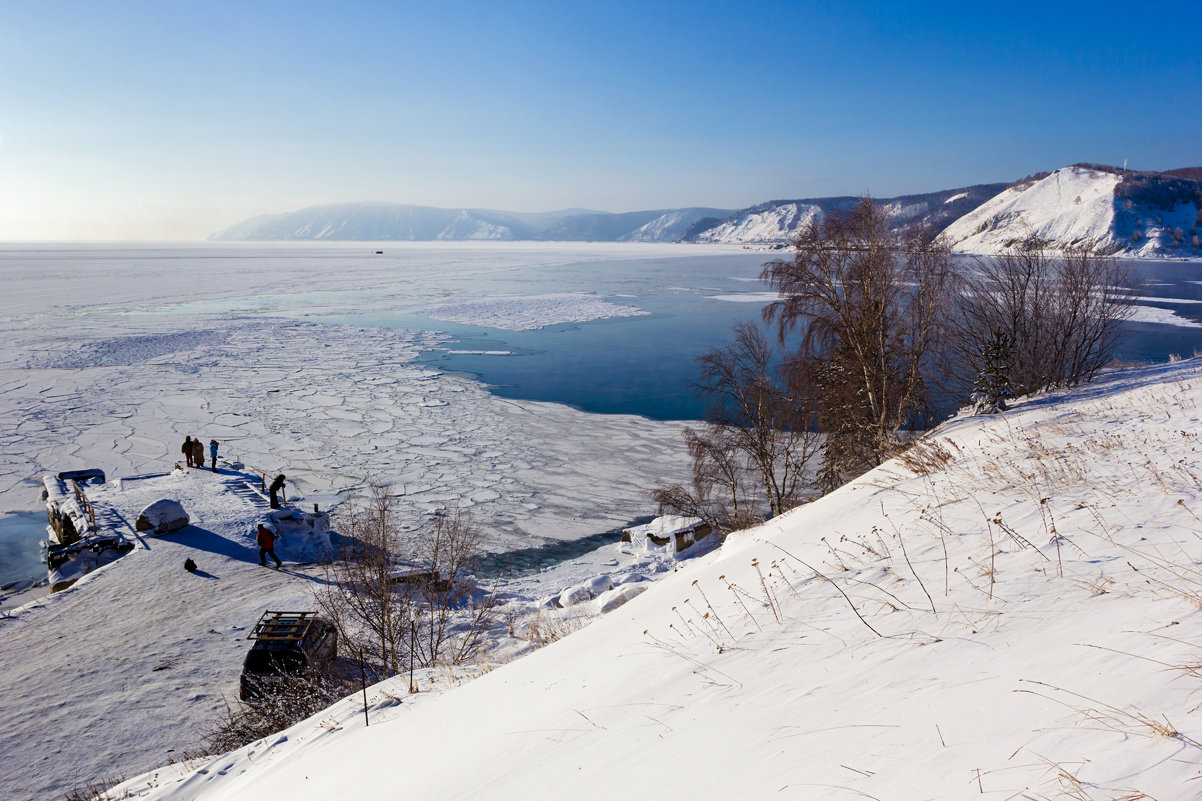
376, 222
1111, 209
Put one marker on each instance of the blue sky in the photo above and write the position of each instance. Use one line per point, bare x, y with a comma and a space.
172, 120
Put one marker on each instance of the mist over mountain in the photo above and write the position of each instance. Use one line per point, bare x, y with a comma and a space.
384, 222
1108, 208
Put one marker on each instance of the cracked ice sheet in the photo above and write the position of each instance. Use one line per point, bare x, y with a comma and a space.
528, 312
336, 408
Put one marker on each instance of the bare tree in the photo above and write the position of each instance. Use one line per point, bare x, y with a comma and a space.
759, 407
410, 602
719, 493
759, 431
449, 616
870, 304
1059, 313
361, 597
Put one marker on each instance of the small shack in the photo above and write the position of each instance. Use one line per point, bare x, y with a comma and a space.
680, 533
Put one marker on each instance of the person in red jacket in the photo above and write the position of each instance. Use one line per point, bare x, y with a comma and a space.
267, 547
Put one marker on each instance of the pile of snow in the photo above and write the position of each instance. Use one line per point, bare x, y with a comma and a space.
61, 502
1009, 610
672, 533
524, 313
303, 536
162, 516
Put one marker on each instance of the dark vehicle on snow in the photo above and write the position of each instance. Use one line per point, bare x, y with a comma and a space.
287, 645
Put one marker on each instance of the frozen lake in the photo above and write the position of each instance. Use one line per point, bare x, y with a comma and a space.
344, 367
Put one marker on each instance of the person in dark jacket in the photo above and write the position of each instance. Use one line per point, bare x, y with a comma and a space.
198, 453
267, 546
187, 449
213, 453
274, 489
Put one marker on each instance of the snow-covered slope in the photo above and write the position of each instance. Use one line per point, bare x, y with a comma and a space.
776, 222
1082, 206
1010, 611
769, 224
671, 225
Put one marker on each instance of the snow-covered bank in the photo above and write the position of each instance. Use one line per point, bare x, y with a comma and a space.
1010, 610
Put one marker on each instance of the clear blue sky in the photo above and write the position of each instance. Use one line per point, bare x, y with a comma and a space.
170, 120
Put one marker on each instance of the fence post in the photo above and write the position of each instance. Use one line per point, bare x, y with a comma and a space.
412, 645
363, 681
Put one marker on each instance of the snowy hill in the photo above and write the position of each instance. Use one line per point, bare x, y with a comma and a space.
370, 222
776, 222
1142, 214
1010, 610
382, 222
635, 226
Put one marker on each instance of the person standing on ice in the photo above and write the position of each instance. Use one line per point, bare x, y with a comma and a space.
187, 449
274, 489
267, 546
198, 453
213, 453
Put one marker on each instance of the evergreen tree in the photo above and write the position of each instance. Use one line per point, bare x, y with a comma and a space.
992, 388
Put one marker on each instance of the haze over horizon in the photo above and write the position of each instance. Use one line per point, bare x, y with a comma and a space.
147, 121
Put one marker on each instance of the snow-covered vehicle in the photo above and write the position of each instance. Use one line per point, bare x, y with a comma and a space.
287, 645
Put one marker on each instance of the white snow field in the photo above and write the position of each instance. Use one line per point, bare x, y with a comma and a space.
1073, 207
1009, 611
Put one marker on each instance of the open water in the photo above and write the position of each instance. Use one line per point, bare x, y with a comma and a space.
20, 555
644, 365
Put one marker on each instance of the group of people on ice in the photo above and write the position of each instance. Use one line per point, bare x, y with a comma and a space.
194, 452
